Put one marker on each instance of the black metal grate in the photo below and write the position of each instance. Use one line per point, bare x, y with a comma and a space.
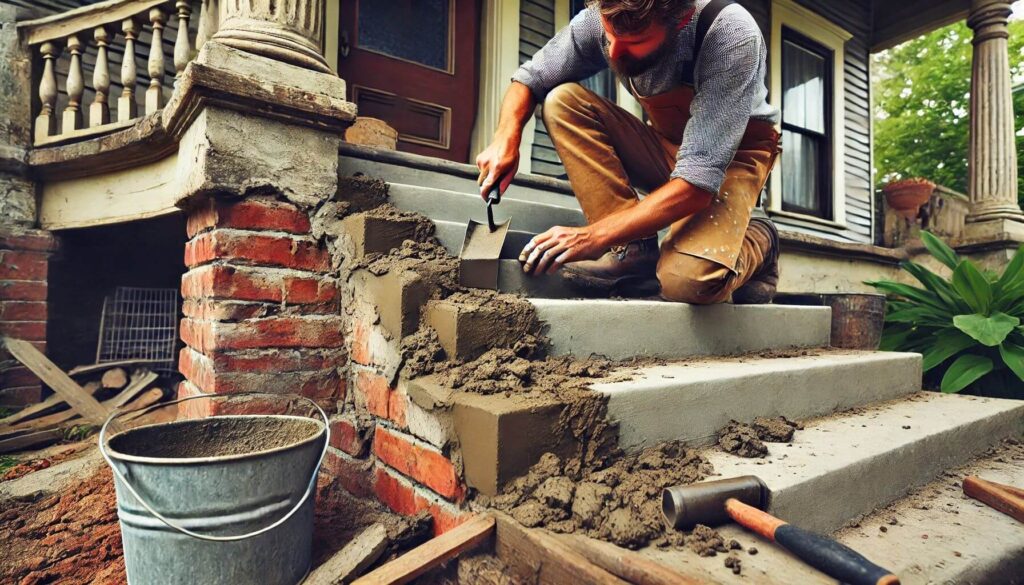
140, 324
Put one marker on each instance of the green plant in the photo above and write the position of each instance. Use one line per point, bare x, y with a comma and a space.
971, 321
7, 462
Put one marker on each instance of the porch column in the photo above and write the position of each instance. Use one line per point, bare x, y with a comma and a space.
992, 182
285, 30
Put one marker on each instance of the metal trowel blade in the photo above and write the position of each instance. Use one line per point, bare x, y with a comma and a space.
481, 251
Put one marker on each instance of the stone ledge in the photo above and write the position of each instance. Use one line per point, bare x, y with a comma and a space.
793, 241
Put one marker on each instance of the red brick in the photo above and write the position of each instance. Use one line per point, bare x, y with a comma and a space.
361, 344
23, 265
23, 291
401, 497
282, 332
221, 404
256, 284
252, 213
374, 392
348, 437
279, 360
354, 474
27, 330
425, 465
219, 310
22, 311
397, 400
316, 384
240, 247
34, 240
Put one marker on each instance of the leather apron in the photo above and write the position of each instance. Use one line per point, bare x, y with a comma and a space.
717, 232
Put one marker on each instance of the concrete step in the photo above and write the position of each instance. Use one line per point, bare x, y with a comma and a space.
527, 215
623, 329
692, 400
842, 467
934, 535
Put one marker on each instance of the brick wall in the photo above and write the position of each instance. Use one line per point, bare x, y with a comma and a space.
260, 305
24, 265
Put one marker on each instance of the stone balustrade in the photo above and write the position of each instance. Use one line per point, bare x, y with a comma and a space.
67, 44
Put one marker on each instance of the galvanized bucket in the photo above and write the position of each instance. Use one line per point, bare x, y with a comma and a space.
219, 500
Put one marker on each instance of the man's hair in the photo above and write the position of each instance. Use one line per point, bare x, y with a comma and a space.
633, 16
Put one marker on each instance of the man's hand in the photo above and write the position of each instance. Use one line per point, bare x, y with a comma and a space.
549, 251
499, 160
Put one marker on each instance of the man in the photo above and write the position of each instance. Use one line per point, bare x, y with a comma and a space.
698, 70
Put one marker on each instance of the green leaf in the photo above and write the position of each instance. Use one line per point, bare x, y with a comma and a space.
990, 331
940, 250
909, 292
1013, 357
947, 344
936, 284
964, 372
1014, 271
973, 287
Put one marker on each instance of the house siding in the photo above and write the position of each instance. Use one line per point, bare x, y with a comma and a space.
536, 27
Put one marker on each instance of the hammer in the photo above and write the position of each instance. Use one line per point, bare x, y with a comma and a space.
743, 500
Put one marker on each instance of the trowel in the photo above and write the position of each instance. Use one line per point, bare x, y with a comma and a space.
481, 250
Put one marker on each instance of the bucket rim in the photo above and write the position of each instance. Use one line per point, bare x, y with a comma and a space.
115, 454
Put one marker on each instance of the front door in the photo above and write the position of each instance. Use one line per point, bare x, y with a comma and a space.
413, 64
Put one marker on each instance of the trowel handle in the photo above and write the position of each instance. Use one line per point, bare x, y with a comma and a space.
821, 552
494, 195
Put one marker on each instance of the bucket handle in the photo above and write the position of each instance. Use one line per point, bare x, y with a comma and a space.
186, 531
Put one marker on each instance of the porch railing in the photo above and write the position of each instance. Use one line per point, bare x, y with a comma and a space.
94, 38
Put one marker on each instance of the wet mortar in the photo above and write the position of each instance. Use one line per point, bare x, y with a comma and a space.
215, 437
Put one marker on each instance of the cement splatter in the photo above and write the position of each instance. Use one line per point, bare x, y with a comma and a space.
748, 440
618, 500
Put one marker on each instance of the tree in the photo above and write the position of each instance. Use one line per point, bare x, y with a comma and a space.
922, 93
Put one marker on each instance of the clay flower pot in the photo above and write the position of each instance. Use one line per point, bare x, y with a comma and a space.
906, 197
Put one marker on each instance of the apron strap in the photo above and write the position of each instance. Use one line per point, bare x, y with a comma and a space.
704, 21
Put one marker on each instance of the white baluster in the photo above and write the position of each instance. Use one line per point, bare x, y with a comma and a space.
127, 108
154, 94
72, 119
99, 109
208, 16
182, 47
46, 121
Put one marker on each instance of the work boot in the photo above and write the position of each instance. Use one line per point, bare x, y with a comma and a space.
760, 289
630, 268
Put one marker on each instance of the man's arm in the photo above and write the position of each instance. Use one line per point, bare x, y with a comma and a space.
501, 157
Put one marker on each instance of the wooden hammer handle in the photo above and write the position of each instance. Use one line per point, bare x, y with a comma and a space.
995, 495
821, 552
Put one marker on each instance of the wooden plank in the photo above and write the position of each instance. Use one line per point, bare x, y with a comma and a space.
352, 559
59, 26
117, 401
537, 556
90, 368
432, 553
55, 378
631, 566
50, 402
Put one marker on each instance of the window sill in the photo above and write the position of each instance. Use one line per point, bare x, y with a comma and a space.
808, 218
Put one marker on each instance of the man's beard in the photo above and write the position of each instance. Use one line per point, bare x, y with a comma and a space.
627, 66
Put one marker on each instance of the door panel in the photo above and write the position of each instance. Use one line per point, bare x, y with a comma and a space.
414, 64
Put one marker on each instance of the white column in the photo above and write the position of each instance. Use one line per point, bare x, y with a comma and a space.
992, 182
285, 30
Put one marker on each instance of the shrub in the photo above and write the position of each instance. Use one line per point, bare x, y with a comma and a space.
967, 327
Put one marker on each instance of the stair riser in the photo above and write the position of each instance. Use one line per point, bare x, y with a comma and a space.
696, 402
623, 330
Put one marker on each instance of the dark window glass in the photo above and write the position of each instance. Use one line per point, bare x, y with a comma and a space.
806, 126
413, 30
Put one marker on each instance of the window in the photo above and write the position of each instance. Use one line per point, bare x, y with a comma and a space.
806, 126
807, 55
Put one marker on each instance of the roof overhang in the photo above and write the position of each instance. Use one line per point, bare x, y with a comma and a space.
896, 22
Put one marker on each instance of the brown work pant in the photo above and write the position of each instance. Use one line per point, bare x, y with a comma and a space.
606, 149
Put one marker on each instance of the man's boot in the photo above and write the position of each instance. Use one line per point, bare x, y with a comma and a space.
760, 289
631, 268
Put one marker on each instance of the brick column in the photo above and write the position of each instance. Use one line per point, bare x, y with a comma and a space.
261, 310
24, 259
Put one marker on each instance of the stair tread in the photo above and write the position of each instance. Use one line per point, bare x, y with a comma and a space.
967, 542
871, 455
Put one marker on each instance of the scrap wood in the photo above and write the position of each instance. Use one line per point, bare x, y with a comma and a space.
41, 407
630, 565
55, 378
90, 368
435, 551
139, 383
44, 437
1004, 498
354, 558
114, 378
534, 554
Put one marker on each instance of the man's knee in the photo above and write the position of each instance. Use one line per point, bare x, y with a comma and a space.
689, 279
562, 100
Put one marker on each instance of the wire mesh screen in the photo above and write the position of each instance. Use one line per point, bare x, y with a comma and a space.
140, 324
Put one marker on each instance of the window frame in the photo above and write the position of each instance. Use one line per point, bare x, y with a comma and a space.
826, 195
787, 14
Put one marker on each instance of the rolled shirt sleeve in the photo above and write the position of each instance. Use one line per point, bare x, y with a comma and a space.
729, 88
571, 55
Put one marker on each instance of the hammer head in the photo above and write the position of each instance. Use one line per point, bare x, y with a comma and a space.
685, 506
